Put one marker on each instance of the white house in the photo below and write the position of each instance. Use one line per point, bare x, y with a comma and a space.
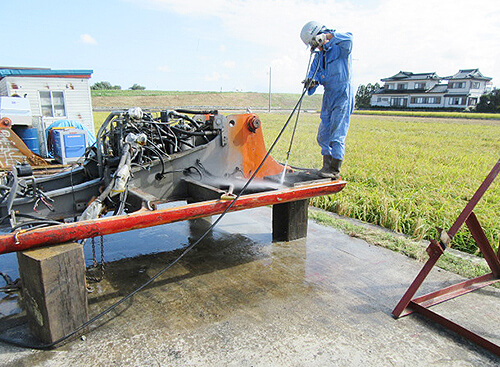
465, 88
53, 94
424, 90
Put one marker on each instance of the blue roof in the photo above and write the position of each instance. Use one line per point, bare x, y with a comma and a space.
44, 72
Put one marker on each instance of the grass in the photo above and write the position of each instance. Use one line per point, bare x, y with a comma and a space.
407, 174
434, 114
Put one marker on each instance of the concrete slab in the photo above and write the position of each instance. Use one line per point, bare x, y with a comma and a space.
240, 300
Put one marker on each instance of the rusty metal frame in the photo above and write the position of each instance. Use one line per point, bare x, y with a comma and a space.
421, 304
22, 240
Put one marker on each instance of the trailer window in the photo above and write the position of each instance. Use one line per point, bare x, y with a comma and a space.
52, 104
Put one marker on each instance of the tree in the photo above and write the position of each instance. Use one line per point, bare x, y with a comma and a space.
364, 94
137, 87
104, 86
489, 102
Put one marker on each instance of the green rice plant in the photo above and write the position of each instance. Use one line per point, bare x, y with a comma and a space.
407, 174
433, 114
99, 118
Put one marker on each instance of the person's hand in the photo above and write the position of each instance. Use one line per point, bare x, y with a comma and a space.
310, 83
320, 39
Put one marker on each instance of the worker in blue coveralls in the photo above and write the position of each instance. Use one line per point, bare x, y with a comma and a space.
331, 67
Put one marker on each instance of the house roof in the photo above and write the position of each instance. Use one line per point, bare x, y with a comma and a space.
468, 74
438, 88
408, 75
393, 91
41, 72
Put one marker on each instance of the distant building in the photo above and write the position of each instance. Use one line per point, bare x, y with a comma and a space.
424, 90
53, 94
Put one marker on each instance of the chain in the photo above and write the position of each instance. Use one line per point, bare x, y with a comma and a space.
102, 257
94, 258
95, 265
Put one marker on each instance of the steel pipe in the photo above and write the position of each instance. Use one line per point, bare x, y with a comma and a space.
25, 239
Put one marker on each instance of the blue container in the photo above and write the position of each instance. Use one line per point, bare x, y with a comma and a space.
69, 144
30, 137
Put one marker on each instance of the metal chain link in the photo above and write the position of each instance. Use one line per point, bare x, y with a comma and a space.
95, 265
102, 257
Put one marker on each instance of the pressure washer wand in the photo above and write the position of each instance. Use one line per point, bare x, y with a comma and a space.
282, 179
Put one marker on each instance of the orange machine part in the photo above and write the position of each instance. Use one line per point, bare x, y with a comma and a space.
246, 136
5, 122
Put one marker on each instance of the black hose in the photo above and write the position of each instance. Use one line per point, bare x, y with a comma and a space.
298, 111
160, 156
185, 117
36, 224
195, 133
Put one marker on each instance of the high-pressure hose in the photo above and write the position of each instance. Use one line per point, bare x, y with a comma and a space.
168, 266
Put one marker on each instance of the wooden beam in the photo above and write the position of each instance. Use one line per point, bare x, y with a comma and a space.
54, 289
290, 220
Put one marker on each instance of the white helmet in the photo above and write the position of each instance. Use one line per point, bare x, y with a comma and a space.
311, 30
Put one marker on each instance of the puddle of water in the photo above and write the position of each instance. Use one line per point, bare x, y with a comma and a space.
161, 242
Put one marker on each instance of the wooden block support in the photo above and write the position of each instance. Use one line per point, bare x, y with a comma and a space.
54, 289
290, 220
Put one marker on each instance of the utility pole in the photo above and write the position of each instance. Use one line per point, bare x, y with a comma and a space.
269, 89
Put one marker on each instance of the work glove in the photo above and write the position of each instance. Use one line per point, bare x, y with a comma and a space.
320, 39
310, 83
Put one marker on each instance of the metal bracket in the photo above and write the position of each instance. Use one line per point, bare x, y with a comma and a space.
421, 305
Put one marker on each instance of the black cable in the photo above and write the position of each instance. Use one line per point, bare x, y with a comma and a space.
167, 267
45, 222
159, 155
194, 133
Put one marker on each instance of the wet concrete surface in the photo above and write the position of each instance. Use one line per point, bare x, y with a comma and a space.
238, 299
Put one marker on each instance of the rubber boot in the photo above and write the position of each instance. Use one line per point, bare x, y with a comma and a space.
325, 171
335, 168
331, 168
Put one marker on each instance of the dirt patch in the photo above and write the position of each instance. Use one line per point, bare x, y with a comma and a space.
217, 100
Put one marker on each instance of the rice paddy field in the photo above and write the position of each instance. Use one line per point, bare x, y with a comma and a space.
405, 173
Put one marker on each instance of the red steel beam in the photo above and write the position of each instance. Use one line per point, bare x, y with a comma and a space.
453, 291
460, 330
420, 305
420, 278
435, 250
23, 240
484, 245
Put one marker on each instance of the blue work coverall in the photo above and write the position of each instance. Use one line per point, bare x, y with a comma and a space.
334, 73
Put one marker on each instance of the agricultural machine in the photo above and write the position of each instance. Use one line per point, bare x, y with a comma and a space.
212, 162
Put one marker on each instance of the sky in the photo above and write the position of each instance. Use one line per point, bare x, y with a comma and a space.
232, 45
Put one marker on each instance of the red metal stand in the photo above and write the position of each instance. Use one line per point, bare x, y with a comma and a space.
69, 232
421, 304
